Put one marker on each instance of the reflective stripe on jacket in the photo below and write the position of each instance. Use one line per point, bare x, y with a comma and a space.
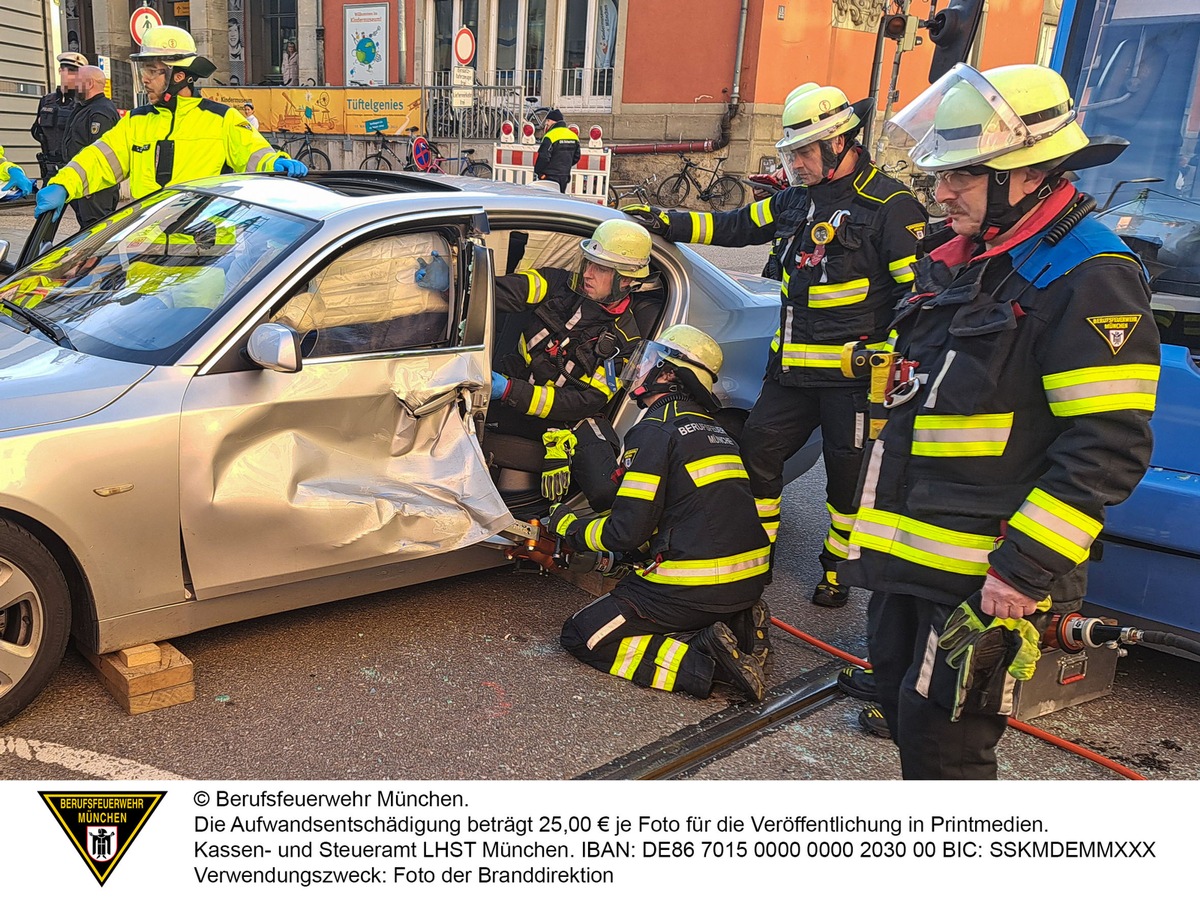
1032, 418
209, 138
683, 490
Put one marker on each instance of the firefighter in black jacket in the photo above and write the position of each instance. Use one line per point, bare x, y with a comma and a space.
1026, 370
687, 617
54, 111
94, 114
581, 331
558, 153
850, 263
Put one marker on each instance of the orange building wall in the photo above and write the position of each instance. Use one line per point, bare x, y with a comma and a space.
335, 66
806, 47
676, 52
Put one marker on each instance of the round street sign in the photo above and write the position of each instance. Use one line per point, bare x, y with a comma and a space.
143, 19
464, 46
422, 154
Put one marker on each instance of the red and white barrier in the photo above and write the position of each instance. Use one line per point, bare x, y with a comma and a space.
513, 163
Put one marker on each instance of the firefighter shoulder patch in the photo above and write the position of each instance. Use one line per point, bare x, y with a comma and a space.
917, 229
95, 128
627, 459
102, 825
1115, 329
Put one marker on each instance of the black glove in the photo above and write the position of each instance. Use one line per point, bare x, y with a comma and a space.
561, 518
655, 220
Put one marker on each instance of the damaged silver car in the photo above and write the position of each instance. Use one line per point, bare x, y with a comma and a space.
233, 398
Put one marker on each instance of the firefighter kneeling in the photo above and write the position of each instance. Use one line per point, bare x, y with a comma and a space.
693, 615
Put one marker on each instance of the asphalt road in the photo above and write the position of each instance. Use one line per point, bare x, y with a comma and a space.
464, 679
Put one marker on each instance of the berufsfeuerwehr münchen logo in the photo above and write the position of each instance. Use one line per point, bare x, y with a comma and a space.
102, 826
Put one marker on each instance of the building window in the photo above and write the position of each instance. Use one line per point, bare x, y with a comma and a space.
520, 44
270, 24
448, 17
588, 49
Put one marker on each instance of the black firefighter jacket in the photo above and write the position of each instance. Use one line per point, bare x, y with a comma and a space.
1040, 367
557, 155
559, 371
843, 292
684, 490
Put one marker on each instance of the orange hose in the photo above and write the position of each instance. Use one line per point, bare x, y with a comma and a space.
1032, 730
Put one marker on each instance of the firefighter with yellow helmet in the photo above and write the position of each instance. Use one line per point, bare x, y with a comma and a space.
692, 614
581, 328
178, 136
1027, 362
845, 266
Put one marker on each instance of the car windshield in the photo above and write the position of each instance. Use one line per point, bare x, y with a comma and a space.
140, 284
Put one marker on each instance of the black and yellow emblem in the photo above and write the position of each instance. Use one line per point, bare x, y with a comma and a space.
627, 459
917, 230
822, 233
1115, 329
102, 825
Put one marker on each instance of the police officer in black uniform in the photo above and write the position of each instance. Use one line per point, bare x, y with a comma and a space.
54, 112
558, 152
94, 114
687, 616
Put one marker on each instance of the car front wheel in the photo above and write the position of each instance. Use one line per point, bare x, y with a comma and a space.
35, 618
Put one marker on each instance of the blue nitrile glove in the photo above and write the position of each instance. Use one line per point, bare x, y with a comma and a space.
19, 180
499, 385
51, 197
561, 518
293, 168
435, 274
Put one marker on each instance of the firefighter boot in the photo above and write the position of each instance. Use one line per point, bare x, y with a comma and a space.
872, 721
829, 593
734, 667
858, 683
760, 615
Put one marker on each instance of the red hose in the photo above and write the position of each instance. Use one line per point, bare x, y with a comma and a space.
1046, 736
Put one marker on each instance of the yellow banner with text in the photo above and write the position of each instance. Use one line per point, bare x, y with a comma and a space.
326, 110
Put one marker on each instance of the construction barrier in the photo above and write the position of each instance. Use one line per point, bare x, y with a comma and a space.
513, 163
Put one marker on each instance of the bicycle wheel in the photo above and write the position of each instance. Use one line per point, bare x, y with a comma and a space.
674, 190
614, 199
376, 162
315, 159
726, 193
478, 169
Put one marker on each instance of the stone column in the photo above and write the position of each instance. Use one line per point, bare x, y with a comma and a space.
210, 28
306, 42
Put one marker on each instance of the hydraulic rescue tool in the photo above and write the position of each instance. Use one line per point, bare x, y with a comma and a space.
552, 552
1074, 632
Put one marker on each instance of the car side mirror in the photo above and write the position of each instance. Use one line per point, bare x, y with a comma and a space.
275, 347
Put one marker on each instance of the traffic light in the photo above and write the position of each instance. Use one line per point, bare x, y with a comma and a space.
953, 31
902, 29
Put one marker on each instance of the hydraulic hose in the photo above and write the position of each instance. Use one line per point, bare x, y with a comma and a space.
1025, 727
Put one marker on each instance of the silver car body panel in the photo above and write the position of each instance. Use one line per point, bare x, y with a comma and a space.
191, 495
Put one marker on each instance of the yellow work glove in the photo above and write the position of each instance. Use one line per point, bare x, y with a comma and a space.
556, 467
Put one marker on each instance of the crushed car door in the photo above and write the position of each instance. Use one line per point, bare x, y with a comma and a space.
368, 455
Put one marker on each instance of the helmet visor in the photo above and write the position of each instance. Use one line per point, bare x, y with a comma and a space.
646, 357
959, 120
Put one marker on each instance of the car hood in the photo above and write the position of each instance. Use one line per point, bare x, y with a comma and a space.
41, 383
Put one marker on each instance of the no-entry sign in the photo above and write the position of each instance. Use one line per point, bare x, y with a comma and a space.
464, 46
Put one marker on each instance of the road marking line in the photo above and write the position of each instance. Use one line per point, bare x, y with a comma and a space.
87, 762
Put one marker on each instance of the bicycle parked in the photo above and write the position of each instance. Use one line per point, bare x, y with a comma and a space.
307, 154
721, 192
640, 192
461, 165
391, 154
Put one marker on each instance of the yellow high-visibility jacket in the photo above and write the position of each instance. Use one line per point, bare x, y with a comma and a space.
208, 137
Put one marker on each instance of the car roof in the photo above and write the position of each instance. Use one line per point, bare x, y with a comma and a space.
321, 195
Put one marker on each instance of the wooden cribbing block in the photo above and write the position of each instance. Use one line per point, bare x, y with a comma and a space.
153, 685
141, 655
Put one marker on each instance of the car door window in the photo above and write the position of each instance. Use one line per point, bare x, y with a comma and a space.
370, 299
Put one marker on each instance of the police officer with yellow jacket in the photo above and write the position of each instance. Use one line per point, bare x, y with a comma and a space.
692, 614
1026, 371
850, 261
178, 136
